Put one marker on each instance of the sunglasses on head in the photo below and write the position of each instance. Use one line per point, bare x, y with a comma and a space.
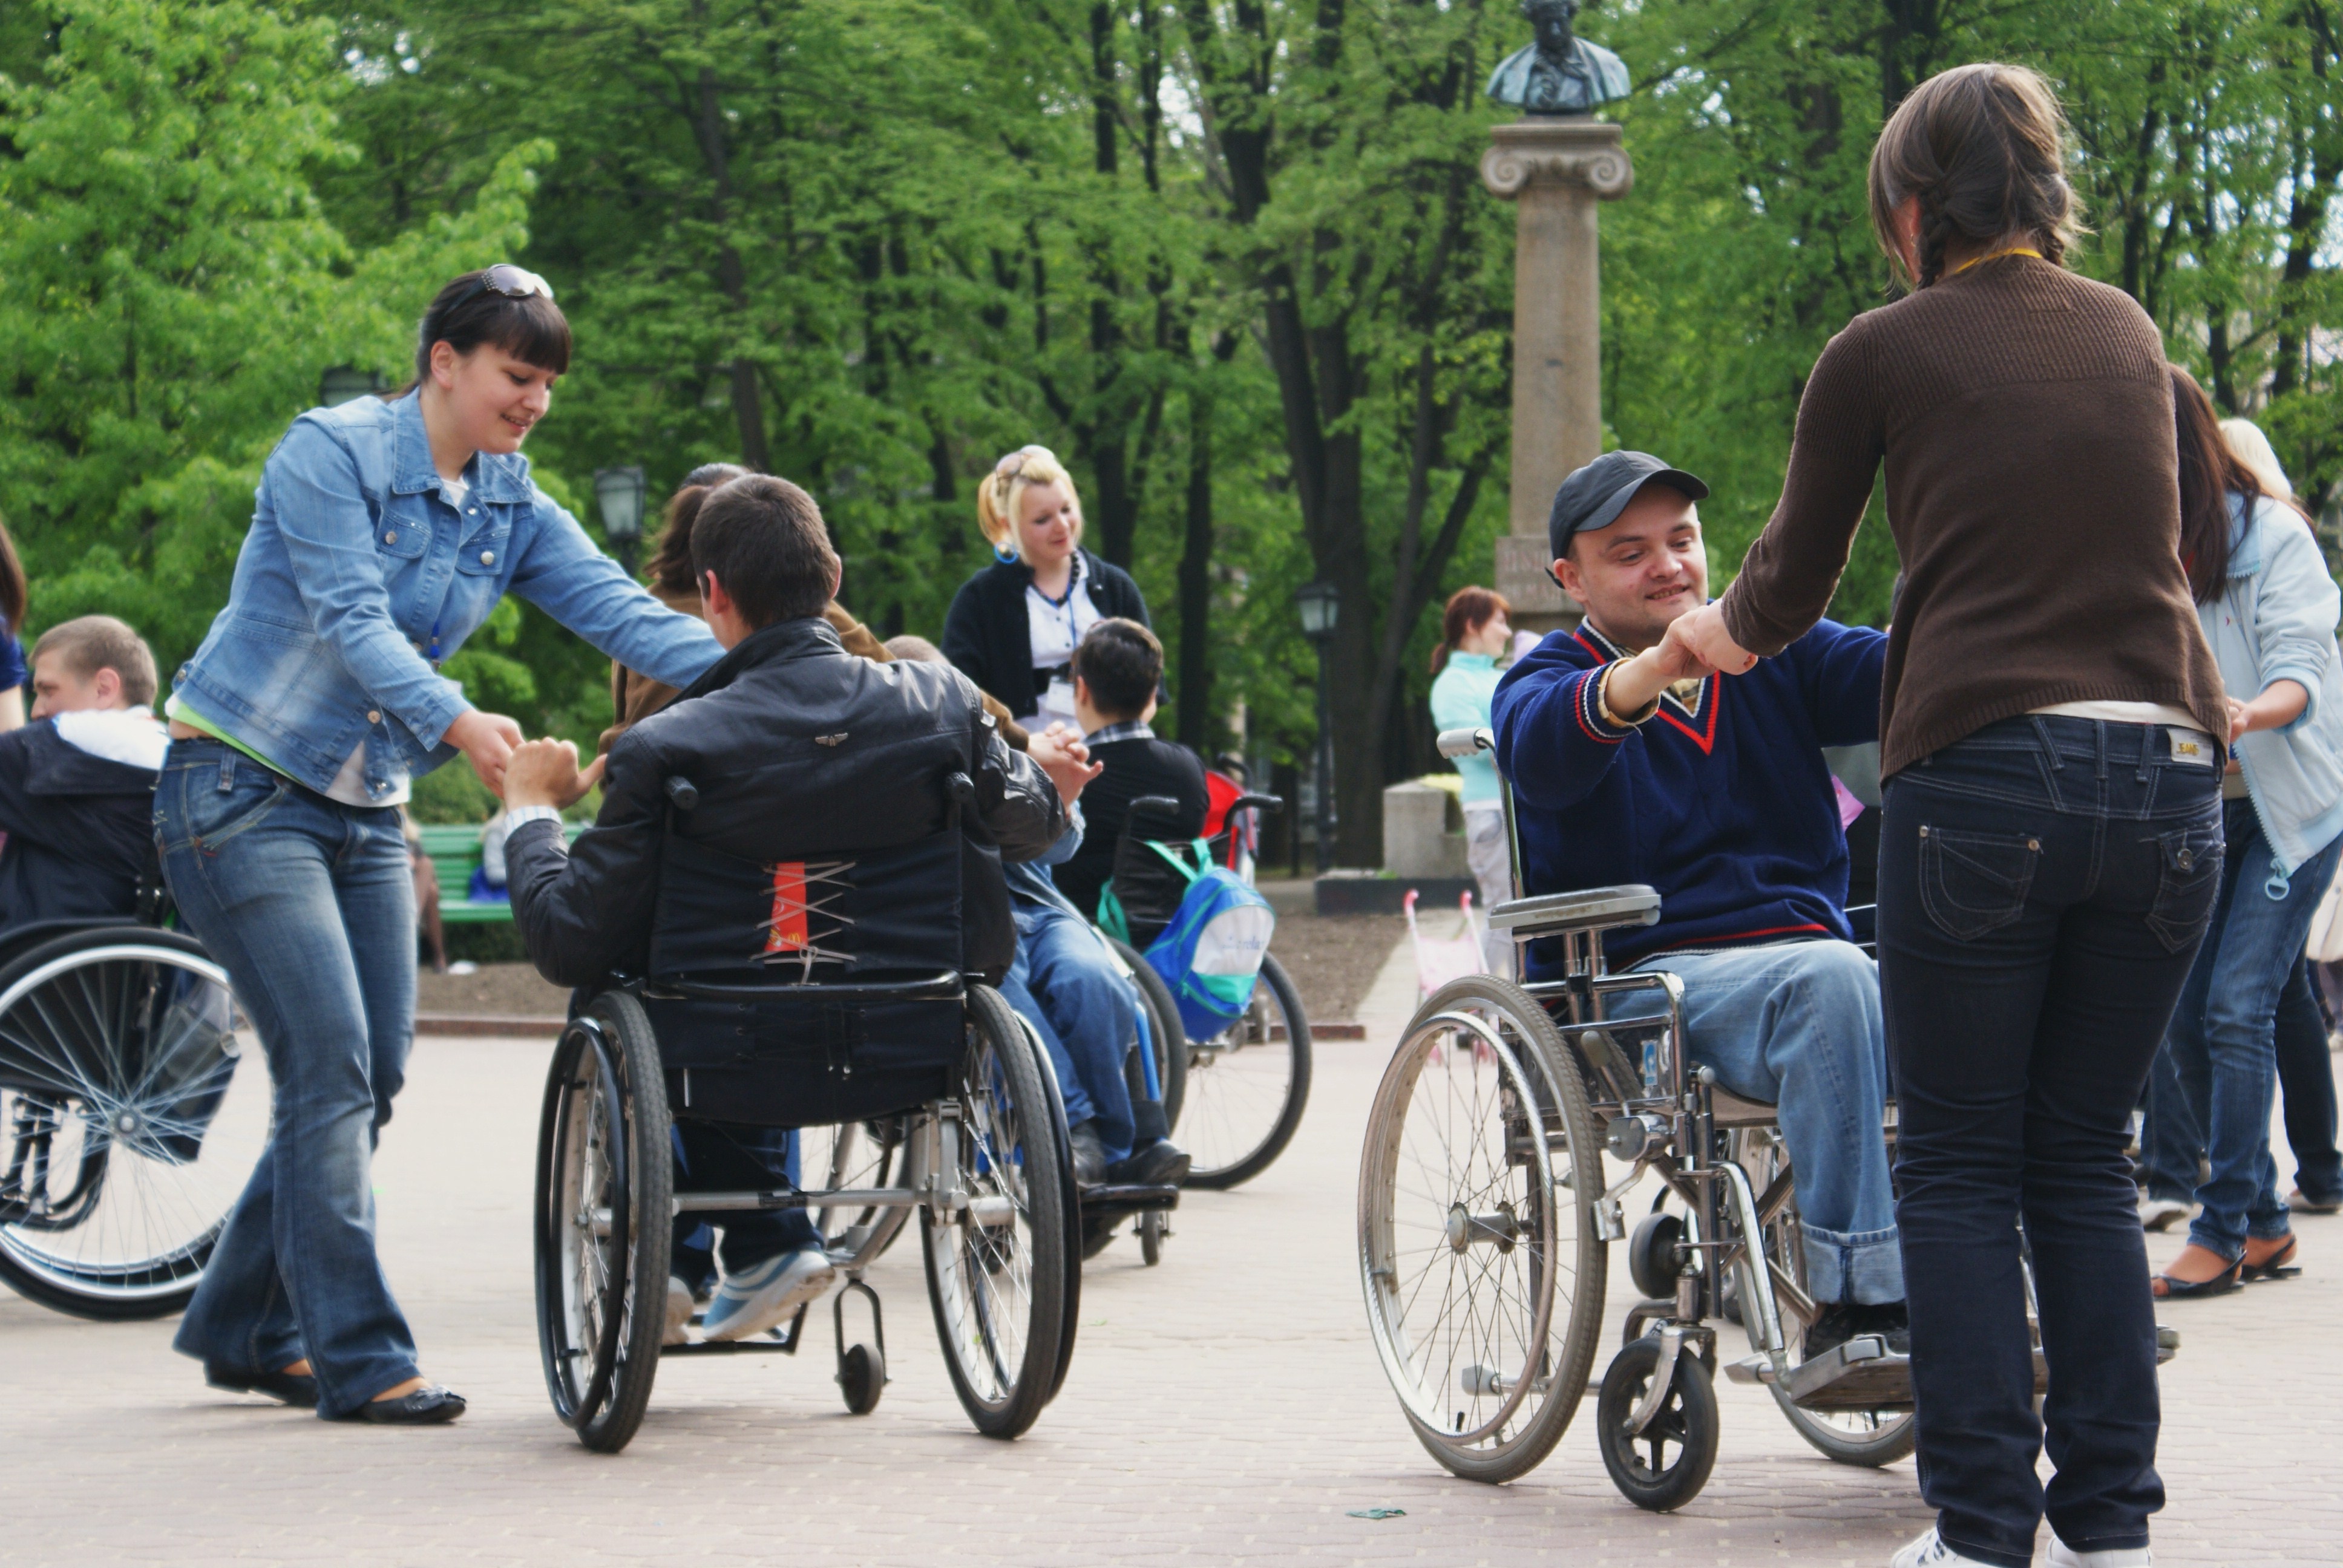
1015, 463
512, 282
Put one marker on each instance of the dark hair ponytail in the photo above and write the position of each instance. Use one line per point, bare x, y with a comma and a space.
464, 315
671, 569
1983, 149
2211, 472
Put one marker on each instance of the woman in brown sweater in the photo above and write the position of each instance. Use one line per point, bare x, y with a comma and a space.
2053, 727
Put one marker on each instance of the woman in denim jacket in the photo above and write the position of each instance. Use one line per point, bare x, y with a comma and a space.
2268, 608
383, 534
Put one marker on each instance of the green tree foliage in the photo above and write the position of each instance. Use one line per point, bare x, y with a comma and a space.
1230, 259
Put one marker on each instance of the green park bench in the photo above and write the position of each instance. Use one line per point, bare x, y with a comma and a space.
455, 852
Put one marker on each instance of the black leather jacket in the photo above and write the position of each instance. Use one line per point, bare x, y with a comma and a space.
79, 829
797, 748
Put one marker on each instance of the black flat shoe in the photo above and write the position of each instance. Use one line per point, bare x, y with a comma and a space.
1160, 1164
296, 1389
2164, 1287
424, 1407
2278, 1265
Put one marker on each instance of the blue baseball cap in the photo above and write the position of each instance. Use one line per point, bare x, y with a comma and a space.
1593, 497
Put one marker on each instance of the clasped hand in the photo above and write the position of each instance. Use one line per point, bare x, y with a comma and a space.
1694, 645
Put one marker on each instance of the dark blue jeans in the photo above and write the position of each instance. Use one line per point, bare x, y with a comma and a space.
2306, 1085
2211, 1088
310, 907
2043, 887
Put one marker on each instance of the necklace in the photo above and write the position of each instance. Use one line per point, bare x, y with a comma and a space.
1994, 255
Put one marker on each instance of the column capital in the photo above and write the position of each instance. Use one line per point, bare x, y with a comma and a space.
1571, 150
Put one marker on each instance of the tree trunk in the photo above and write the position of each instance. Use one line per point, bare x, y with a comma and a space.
1195, 690
732, 276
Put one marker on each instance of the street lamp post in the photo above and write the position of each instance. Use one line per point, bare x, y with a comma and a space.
618, 492
345, 383
1321, 604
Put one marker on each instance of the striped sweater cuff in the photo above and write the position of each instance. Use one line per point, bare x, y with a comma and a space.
1587, 700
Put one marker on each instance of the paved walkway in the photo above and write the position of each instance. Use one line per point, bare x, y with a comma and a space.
1224, 1407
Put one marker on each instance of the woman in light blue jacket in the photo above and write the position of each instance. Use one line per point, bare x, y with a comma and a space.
385, 533
1473, 634
2268, 608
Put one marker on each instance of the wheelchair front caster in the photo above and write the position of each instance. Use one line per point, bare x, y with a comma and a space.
1655, 1255
1664, 1465
861, 1377
1154, 1230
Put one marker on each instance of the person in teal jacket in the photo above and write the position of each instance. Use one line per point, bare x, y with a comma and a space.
1473, 634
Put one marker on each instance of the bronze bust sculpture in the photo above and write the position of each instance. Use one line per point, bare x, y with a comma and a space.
1559, 73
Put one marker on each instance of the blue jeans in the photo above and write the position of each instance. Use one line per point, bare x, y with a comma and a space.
713, 1159
310, 907
1067, 987
2214, 1081
1797, 1024
2043, 887
2306, 1085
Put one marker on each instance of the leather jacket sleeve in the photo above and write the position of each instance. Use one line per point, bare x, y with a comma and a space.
1017, 802
586, 909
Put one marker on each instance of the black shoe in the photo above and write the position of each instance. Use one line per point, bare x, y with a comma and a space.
1844, 1321
1089, 1155
424, 1407
1162, 1163
296, 1389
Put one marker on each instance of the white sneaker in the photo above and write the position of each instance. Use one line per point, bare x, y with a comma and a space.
763, 1297
2065, 1556
1928, 1551
679, 1313
2159, 1213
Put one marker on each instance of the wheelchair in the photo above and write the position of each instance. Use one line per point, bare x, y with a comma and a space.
129, 1130
1485, 1210
1235, 1100
830, 995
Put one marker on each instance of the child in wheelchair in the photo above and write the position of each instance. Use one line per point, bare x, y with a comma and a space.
1628, 767
790, 756
77, 783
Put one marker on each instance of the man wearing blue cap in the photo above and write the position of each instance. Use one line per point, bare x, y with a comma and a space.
1632, 762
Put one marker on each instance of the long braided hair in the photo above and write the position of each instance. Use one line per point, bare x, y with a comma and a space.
1983, 149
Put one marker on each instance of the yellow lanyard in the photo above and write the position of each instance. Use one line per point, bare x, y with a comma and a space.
1995, 255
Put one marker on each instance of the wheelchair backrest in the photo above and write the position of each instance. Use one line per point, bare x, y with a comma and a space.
851, 916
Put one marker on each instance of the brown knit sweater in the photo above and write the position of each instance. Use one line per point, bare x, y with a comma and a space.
2026, 418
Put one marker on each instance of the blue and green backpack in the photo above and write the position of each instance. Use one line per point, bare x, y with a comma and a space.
1210, 955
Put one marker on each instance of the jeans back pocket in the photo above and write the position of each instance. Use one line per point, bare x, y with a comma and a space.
2188, 878
1974, 883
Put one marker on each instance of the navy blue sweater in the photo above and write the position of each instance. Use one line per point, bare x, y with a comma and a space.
1723, 804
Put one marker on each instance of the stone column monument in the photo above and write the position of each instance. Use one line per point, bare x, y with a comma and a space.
1554, 164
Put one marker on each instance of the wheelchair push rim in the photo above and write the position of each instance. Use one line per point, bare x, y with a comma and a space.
998, 1267
134, 1105
604, 1188
1247, 1087
1482, 1280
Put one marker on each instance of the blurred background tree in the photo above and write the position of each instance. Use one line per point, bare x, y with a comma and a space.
1232, 261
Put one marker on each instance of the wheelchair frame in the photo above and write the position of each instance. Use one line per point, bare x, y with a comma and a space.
1658, 1117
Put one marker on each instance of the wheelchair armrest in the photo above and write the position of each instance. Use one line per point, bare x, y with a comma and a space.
1465, 742
1592, 909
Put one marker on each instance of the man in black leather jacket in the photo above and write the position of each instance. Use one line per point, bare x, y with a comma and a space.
795, 746
796, 749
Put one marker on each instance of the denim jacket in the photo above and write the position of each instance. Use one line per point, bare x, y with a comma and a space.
2274, 619
356, 565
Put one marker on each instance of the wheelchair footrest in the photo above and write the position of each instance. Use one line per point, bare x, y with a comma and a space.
1129, 1198
1865, 1374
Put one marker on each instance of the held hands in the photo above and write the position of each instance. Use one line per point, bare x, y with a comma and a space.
487, 741
1704, 638
1059, 752
546, 773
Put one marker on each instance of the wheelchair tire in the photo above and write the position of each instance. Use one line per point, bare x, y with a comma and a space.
127, 1132
1247, 1088
1481, 1268
1001, 1293
1162, 1027
1640, 1466
605, 1185
1154, 1230
1871, 1439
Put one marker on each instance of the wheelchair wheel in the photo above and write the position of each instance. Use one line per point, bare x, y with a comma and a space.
1482, 1271
1867, 1437
998, 1271
129, 1131
1664, 1466
1247, 1087
605, 1180
1162, 1027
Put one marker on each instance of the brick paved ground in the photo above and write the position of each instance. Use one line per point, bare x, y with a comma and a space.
1224, 1407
